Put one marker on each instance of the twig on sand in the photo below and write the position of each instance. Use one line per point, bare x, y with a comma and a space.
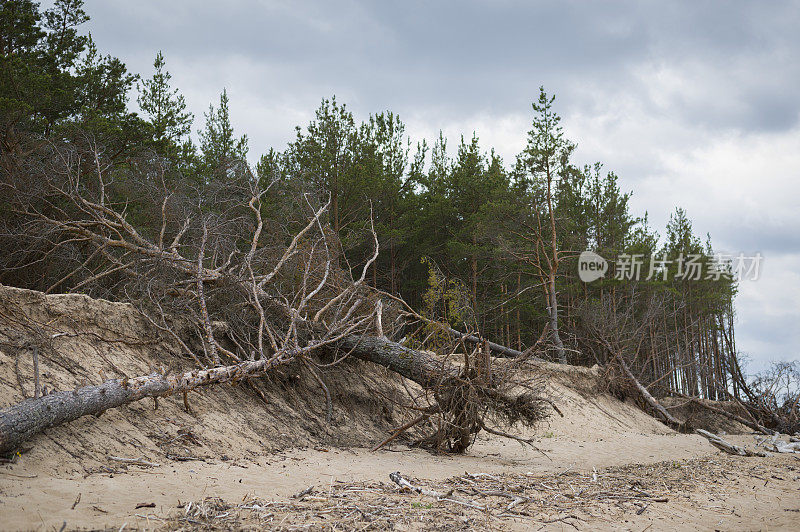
563, 520
303, 493
401, 430
16, 474
398, 479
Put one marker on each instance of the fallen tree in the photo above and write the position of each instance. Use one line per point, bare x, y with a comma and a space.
651, 401
497, 350
424, 368
733, 417
22, 421
239, 293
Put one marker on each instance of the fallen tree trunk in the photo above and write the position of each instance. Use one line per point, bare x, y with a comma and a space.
459, 393
648, 398
421, 367
727, 446
497, 350
20, 422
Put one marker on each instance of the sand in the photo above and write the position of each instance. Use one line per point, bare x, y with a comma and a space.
268, 446
108, 500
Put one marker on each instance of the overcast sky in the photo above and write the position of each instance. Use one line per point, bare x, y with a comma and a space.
693, 104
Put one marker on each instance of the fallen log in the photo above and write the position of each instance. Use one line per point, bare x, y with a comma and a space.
648, 398
21, 421
727, 446
421, 367
497, 350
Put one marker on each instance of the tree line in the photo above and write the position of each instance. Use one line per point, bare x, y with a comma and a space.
506, 235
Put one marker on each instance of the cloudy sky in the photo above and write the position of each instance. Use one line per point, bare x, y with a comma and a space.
693, 104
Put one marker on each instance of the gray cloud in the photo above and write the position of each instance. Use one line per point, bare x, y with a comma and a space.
480, 54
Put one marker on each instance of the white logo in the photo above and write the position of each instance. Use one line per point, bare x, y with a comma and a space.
591, 266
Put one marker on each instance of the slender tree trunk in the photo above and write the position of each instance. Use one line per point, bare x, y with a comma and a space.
551, 285
648, 398
392, 266
519, 322
562, 354
474, 274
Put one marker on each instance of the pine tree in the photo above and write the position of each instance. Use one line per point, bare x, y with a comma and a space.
547, 159
104, 85
324, 157
166, 110
220, 151
38, 56
388, 190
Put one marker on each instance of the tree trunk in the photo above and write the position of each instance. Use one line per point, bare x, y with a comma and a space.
497, 349
726, 446
649, 399
562, 354
23, 420
425, 369
20, 422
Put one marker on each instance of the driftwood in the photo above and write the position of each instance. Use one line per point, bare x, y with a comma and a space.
727, 446
782, 447
398, 479
404, 483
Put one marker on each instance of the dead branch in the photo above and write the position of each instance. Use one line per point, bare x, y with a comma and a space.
649, 399
726, 446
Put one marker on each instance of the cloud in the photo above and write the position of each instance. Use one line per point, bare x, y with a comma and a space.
768, 313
